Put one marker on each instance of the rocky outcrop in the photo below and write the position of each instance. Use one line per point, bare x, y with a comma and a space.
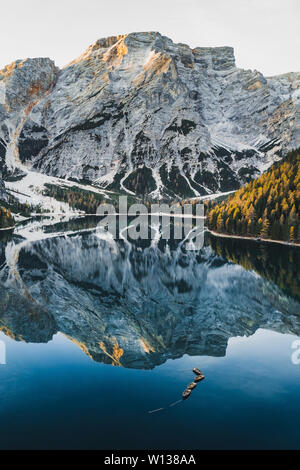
142, 114
22, 84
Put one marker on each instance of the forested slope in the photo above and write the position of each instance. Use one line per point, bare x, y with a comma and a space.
267, 207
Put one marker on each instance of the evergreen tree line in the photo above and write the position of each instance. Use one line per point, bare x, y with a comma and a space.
267, 207
84, 200
278, 264
77, 198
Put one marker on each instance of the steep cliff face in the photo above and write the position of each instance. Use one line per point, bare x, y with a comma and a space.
22, 85
140, 113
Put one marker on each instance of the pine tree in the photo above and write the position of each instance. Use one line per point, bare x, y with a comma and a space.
268, 206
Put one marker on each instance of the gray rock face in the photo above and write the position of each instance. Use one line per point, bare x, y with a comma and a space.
3, 194
22, 85
140, 113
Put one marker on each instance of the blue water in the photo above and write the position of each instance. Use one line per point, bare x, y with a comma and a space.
99, 335
54, 396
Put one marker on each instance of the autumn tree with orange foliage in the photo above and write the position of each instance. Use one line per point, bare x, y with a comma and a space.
6, 219
267, 207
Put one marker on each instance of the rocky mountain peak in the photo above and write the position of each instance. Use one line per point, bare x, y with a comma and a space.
22, 84
25, 80
138, 111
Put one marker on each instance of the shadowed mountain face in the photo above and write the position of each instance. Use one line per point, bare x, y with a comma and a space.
3, 195
137, 306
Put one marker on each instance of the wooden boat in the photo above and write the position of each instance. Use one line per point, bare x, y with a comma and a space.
191, 386
186, 394
198, 378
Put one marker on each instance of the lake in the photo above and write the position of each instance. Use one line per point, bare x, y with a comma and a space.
100, 338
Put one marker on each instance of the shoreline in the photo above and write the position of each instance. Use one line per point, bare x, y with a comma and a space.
254, 239
6, 229
83, 214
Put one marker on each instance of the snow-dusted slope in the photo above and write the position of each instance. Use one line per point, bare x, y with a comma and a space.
140, 113
32, 187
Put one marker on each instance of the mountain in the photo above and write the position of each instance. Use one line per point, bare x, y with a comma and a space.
140, 113
22, 85
139, 305
268, 206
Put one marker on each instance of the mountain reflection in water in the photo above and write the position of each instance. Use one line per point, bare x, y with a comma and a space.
139, 304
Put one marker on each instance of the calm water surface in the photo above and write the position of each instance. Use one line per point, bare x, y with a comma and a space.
100, 332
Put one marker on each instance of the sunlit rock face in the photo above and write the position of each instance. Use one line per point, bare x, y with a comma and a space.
196, 122
137, 307
22, 84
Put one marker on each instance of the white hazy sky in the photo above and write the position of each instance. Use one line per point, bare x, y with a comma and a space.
264, 33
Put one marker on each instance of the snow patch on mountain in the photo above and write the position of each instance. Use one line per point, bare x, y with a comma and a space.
142, 114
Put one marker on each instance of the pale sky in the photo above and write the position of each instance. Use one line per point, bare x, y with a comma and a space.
264, 33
